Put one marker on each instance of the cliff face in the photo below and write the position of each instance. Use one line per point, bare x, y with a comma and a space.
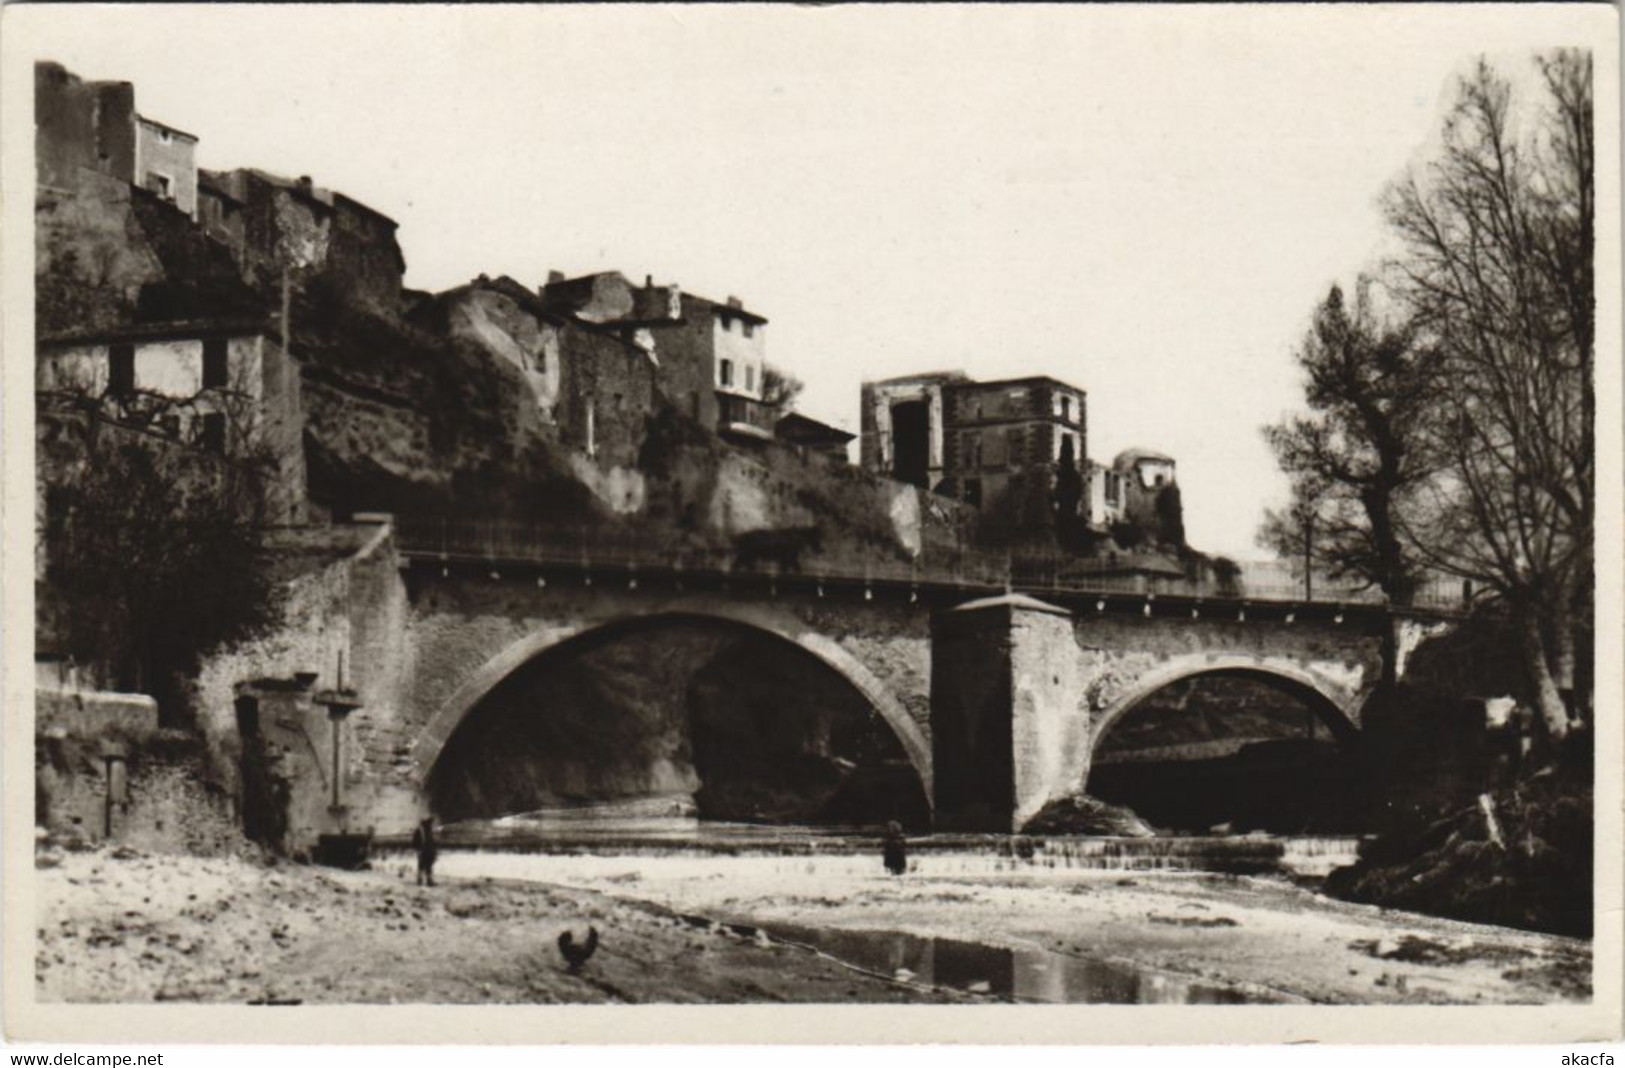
400, 420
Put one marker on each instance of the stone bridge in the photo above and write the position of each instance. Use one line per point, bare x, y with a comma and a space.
998, 697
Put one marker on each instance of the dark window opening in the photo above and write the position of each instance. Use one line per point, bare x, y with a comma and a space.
973, 491
121, 377
212, 433
214, 363
725, 372
911, 441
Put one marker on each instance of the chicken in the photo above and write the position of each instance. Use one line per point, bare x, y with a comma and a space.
576, 955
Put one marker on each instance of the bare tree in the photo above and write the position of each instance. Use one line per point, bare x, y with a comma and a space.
1498, 233
780, 390
152, 529
1359, 453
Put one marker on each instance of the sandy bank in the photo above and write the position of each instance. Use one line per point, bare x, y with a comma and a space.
120, 927
1260, 933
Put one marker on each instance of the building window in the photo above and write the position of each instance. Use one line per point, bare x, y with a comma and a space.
160, 184
1060, 445
214, 363
212, 433
1066, 409
725, 372
973, 491
121, 374
750, 329
750, 376
1012, 446
970, 446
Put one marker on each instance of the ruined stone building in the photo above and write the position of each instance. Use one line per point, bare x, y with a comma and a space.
999, 446
319, 237
94, 126
589, 364
711, 356
902, 425
1003, 447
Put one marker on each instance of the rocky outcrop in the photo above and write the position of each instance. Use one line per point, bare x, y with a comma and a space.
1079, 813
1520, 856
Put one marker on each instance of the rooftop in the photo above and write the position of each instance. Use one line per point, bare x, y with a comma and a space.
922, 377
800, 428
1030, 380
1133, 456
166, 128
172, 330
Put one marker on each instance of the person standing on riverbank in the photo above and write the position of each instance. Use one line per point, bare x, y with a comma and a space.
893, 849
423, 842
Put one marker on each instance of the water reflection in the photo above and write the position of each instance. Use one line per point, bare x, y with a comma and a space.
1034, 975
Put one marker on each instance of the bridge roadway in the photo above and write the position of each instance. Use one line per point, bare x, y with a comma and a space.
1144, 581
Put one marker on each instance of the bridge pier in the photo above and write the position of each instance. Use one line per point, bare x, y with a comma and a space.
1009, 732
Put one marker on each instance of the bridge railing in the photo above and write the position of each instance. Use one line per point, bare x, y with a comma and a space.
508, 541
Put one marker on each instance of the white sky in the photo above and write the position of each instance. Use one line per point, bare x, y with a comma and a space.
1145, 202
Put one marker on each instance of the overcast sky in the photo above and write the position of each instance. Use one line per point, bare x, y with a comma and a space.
1146, 203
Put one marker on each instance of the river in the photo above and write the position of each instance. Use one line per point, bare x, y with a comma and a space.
1060, 920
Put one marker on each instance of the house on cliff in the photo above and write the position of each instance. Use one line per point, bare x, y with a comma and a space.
1150, 493
224, 386
1003, 447
814, 436
600, 352
591, 377
712, 356
278, 227
94, 126
1017, 449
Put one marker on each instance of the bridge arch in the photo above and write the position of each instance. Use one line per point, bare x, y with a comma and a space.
432, 740
1334, 705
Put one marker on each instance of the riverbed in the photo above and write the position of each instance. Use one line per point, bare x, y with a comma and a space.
1169, 936
120, 926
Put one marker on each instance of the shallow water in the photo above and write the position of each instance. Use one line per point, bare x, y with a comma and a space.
1025, 974
676, 845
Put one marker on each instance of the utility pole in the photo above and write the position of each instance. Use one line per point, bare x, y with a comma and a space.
1308, 555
